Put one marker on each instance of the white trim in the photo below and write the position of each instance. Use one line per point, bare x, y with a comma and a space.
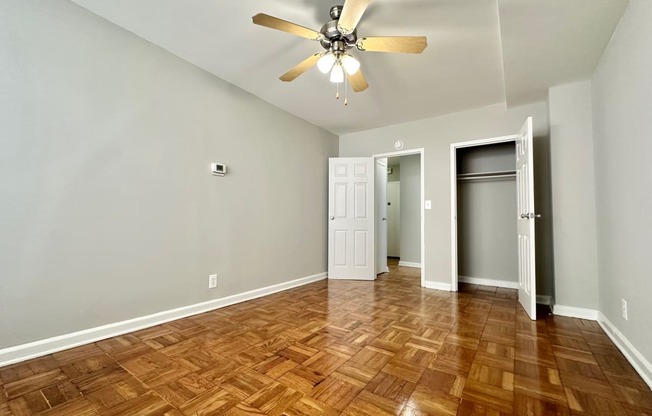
437, 286
545, 300
575, 312
398, 153
423, 217
541, 299
453, 178
409, 264
635, 358
491, 140
418, 151
488, 282
43, 347
454, 268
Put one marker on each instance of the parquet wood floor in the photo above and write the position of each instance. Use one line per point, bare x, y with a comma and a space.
350, 348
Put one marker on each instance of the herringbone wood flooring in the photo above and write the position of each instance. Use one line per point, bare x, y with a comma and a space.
355, 348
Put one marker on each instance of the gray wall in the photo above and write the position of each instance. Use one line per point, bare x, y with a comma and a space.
486, 158
435, 135
395, 176
622, 103
573, 195
109, 211
486, 214
486, 230
411, 208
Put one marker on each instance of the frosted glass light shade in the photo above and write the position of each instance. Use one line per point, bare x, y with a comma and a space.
350, 64
325, 63
337, 74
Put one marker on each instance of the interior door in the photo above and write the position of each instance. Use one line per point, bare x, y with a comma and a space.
394, 219
351, 249
381, 215
525, 221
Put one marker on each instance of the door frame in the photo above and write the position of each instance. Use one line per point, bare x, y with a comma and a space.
453, 172
418, 151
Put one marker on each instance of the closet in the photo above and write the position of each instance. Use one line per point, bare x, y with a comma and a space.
487, 215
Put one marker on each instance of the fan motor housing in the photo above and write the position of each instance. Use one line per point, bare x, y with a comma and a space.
332, 34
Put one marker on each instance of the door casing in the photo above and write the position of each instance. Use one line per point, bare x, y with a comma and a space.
418, 151
453, 155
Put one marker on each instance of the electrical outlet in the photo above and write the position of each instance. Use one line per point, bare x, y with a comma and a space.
212, 281
624, 305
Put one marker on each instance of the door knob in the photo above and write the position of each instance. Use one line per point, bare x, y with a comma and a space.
332, 218
384, 219
525, 216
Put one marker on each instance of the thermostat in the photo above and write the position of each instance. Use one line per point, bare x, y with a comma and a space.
218, 169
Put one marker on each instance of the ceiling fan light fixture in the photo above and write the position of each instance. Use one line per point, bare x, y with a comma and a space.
337, 74
336, 37
350, 64
326, 62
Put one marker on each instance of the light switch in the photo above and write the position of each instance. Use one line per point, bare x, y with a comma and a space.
428, 204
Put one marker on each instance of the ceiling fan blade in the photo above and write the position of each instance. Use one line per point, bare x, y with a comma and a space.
404, 44
351, 15
293, 73
272, 22
357, 81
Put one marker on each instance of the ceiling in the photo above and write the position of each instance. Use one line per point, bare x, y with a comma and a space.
480, 52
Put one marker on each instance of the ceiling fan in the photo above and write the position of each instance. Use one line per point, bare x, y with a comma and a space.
337, 37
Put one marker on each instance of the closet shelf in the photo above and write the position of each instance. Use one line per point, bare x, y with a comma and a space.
487, 175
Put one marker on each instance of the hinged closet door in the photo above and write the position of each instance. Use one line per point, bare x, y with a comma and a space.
351, 226
525, 221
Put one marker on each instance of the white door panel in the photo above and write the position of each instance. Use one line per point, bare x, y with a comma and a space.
381, 215
525, 220
394, 219
351, 253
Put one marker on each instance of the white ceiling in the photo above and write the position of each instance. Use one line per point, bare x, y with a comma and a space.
480, 52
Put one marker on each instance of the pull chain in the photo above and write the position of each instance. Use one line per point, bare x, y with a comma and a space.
337, 94
346, 91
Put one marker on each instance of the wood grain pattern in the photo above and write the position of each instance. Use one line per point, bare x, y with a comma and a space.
341, 348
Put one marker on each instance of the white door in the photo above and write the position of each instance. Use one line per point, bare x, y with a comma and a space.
525, 221
381, 215
351, 249
394, 219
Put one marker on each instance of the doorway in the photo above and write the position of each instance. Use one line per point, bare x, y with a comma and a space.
467, 169
524, 215
400, 209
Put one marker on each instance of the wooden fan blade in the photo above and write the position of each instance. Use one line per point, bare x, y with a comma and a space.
404, 44
272, 22
351, 15
293, 73
357, 81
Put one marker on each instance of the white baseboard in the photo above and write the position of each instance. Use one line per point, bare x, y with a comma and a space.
409, 264
541, 299
438, 286
47, 346
488, 282
640, 364
575, 312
